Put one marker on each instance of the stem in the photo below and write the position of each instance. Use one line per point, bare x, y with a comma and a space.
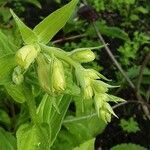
145, 62
95, 114
137, 90
60, 54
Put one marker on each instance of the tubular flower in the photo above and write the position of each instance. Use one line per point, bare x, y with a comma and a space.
26, 55
58, 77
87, 91
43, 73
104, 110
82, 55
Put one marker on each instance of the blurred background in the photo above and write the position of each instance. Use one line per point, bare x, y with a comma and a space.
124, 25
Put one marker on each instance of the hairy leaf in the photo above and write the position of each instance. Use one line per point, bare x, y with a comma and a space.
129, 146
54, 22
16, 92
6, 46
33, 137
88, 145
7, 64
56, 119
4, 117
44, 109
7, 140
28, 35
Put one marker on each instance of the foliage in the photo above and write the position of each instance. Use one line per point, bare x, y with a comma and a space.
129, 146
49, 97
57, 76
130, 126
129, 52
87, 145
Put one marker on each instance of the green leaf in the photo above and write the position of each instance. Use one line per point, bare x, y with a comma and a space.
84, 127
7, 64
48, 114
5, 13
35, 2
113, 32
4, 117
44, 109
88, 145
129, 126
80, 129
6, 46
129, 146
54, 22
33, 137
16, 92
57, 119
28, 35
7, 141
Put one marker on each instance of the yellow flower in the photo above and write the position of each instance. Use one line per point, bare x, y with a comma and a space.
43, 71
26, 55
82, 56
58, 77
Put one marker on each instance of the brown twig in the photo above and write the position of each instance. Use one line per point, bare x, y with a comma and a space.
145, 62
138, 95
112, 56
68, 38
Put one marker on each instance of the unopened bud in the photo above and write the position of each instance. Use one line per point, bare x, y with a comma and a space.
105, 116
83, 55
99, 86
109, 109
91, 73
17, 76
88, 92
26, 55
59, 83
98, 101
43, 73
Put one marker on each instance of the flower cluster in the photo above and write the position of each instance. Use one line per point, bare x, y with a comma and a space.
51, 74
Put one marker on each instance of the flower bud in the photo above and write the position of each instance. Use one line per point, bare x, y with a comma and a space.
43, 73
98, 101
91, 73
58, 77
82, 55
99, 87
88, 92
105, 116
26, 55
17, 76
109, 109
